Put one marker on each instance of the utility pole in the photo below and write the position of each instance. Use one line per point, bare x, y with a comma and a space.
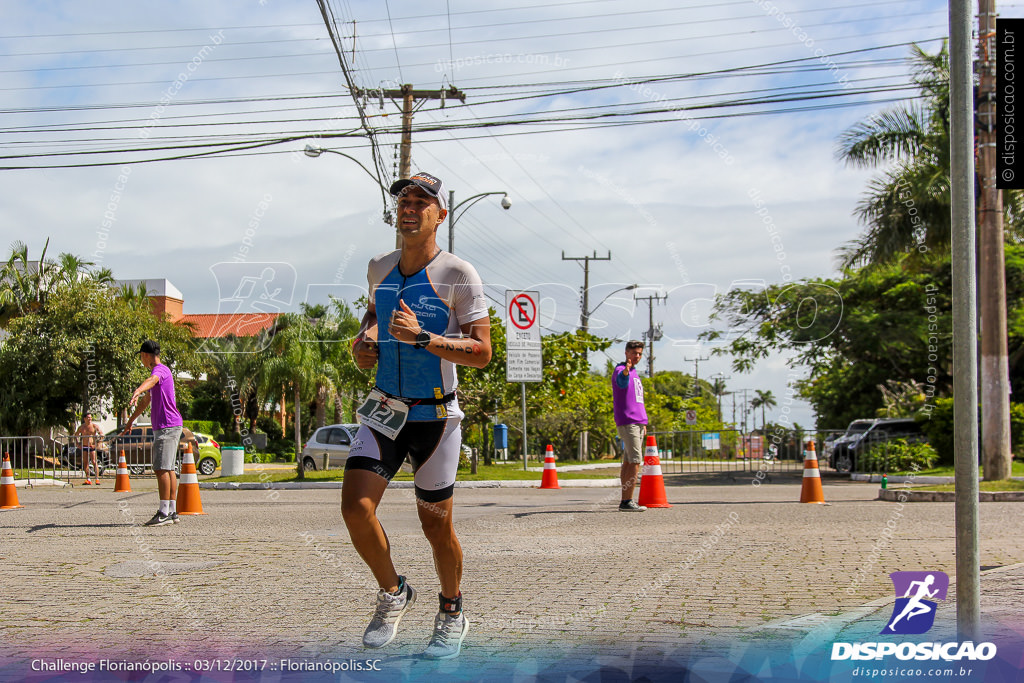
652, 334
585, 315
995, 377
409, 96
696, 372
962, 179
744, 408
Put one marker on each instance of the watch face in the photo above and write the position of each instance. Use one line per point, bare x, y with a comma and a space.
423, 339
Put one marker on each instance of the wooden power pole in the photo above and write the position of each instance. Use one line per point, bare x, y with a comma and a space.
585, 315
995, 376
653, 334
409, 96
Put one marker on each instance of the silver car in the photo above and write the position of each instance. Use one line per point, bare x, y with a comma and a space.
328, 447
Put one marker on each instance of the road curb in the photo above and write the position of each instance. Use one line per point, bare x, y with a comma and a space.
908, 496
902, 479
295, 485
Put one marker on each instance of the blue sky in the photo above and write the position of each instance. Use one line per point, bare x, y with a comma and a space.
674, 202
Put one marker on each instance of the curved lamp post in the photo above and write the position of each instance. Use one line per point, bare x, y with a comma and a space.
314, 152
585, 320
468, 202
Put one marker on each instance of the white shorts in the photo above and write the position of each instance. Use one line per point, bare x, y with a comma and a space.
432, 448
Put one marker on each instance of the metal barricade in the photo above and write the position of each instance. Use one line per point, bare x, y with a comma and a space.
731, 452
30, 458
83, 458
137, 448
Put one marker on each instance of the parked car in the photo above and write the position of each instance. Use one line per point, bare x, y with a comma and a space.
208, 459
137, 445
861, 435
839, 444
328, 447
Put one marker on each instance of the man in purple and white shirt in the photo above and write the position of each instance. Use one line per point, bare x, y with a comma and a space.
630, 421
158, 390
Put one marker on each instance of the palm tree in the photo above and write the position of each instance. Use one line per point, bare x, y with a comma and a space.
762, 400
352, 382
718, 391
327, 340
25, 284
295, 362
136, 297
908, 204
237, 364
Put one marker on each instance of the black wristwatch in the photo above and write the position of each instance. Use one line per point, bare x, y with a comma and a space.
422, 340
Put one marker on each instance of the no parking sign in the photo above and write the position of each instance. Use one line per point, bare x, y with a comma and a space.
523, 360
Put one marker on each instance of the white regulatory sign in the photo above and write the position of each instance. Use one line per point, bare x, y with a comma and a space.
523, 360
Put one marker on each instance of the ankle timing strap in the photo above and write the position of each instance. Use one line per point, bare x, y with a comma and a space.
451, 605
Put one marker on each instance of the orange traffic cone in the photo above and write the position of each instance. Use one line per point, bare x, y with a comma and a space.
8, 493
121, 483
652, 483
188, 486
550, 478
811, 491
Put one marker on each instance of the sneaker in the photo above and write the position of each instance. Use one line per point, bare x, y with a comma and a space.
160, 519
449, 632
174, 518
630, 506
389, 611
86, 483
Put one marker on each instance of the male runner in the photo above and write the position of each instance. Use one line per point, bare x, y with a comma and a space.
431, 315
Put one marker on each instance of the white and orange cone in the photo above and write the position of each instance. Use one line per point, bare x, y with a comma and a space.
550, 478
121, 482
652, 483
188, 486
811, 490
8, 492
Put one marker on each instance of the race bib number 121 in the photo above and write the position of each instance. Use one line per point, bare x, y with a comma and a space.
383, 414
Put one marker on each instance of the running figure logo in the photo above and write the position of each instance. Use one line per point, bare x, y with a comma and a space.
914, 612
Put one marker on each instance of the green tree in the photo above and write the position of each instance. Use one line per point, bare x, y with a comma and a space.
558, 408
79, 352
852, 334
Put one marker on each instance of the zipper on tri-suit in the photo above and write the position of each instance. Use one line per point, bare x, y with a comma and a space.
398, 345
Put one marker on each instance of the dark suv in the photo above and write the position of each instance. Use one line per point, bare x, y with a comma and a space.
861, 435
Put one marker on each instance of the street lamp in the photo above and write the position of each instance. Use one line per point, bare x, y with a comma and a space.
314, 152
585, 321
452, 207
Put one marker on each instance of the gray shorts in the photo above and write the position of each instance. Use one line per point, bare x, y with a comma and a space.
165, 447
633, 442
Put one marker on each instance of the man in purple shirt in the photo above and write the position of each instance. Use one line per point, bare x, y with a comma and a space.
158, 391
630, 421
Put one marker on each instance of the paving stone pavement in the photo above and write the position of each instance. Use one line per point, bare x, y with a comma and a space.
272, 573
